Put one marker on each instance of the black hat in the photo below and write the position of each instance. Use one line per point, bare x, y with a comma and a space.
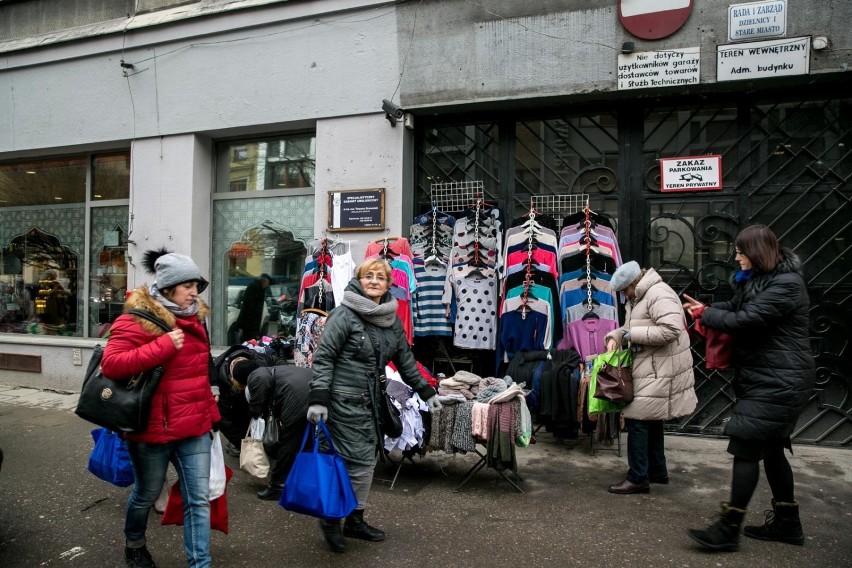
242, 370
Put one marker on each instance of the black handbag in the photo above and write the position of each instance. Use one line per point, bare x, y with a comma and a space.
270, 430
390, 420
390, 416
120, 405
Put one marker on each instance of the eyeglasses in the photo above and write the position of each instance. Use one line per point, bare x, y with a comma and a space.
377, 277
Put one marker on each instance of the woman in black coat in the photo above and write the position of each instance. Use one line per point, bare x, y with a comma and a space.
774, 379
284, 390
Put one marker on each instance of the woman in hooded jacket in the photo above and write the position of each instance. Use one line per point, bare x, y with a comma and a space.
663, 380
360, 337
773, 381
183, 408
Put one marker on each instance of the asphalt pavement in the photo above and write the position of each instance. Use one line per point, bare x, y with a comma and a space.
54, 513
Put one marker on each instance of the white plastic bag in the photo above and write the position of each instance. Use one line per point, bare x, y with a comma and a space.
217, 468
256, 428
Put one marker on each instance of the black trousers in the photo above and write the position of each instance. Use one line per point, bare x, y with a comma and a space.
290, 438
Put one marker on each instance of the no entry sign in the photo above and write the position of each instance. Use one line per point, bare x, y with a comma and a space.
653, 19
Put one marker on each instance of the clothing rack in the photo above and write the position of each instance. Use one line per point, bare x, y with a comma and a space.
456, 196
480, 464
322, 263
528, 274
588, 228
478, 210
560, 206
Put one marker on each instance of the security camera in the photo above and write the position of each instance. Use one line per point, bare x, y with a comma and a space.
393, 112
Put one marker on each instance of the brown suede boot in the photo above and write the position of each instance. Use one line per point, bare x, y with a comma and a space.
724, 534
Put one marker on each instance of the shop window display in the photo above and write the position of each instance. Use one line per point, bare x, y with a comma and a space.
43, 259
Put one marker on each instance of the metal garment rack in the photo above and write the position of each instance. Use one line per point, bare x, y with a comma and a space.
559, 206
481, 463
456, 196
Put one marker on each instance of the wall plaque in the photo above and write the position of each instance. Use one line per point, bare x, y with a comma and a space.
356, 210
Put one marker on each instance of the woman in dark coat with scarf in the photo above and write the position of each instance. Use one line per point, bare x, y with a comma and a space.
774, 379
360, 337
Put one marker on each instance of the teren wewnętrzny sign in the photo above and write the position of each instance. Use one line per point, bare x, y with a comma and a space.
691, 173
757, 20
649, 69
762, 59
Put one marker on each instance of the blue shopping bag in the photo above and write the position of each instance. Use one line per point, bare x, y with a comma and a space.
109, 460
318, 484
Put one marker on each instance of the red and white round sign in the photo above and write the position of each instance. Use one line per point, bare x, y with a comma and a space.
653, 19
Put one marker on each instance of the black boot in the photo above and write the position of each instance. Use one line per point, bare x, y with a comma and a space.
724, 534
333, 535
782, 524
138, 557
356, 527
271, 492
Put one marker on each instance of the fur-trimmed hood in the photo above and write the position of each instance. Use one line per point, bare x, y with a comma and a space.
789, 263
141, 299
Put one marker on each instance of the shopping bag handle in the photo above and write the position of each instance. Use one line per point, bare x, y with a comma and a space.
315, 429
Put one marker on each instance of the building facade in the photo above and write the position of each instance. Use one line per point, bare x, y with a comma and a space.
218, 129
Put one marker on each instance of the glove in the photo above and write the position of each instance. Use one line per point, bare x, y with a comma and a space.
215, 426
317, 412
434, 403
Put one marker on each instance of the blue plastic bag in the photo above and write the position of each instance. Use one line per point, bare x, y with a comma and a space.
318, 484
109, 460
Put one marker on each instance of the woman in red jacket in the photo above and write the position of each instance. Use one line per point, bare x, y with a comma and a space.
183, 409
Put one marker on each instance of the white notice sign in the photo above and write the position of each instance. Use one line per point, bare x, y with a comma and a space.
691, 173
659, 68
761, 59
757, 20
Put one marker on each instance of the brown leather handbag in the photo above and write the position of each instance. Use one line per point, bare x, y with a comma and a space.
614, 379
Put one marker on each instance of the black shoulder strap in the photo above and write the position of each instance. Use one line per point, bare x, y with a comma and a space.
151, 318
377, 348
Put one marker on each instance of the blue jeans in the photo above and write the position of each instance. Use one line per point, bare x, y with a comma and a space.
646, 453
191, 458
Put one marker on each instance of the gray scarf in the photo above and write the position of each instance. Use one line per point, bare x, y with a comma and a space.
380, 315
171, 306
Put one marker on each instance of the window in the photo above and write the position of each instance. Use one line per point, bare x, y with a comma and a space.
43, 256
263, 216
283, 162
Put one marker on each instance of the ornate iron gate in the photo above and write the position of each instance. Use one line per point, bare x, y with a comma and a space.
785, 164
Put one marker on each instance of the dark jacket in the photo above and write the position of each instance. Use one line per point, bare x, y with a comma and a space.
285, 389
774, 378
183, 405
345, 382
232, 400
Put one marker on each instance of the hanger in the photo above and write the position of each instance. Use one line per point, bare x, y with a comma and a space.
434, 259
590, 315
315, 311
389, 240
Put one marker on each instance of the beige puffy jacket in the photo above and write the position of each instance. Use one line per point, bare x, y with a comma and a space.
663, 380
